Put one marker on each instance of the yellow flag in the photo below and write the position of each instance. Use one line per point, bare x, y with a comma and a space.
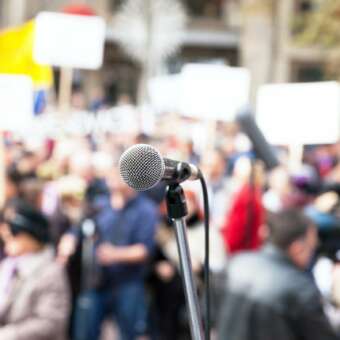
16, 55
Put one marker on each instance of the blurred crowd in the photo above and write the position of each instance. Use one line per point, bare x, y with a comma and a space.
80, 248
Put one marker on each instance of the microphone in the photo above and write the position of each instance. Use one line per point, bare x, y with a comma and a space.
142, 167
261, 147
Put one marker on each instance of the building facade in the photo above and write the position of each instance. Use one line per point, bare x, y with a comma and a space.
212, 35
256, 34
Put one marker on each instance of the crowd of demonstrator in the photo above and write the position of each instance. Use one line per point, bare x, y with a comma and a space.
80, 248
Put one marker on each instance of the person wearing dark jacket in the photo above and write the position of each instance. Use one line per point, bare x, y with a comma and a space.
124, 241
269, 294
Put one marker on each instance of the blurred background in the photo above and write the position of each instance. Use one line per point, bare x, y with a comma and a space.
277, 42
81, 81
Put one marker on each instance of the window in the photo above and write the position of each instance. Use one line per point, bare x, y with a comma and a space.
203, 8
308, 72
116, 4
195, 8
304, 6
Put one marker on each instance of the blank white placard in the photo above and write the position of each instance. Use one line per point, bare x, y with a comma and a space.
300, 113
16, 102
213, 91
68, 40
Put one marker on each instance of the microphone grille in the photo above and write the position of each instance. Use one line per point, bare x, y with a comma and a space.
141, 167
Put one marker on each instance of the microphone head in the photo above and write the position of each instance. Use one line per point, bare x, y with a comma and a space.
141, 167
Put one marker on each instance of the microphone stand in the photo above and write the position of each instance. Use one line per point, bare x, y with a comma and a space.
88, 229
177, 210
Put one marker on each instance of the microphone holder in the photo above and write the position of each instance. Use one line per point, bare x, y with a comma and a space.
177, 210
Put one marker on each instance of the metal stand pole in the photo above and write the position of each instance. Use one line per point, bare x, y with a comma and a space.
177, 209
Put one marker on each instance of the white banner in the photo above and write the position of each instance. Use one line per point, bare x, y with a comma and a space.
203, 91
164, 93
213, 91
66, 40
16, 102
301, 113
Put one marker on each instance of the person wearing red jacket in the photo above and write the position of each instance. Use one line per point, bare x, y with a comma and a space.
242, 228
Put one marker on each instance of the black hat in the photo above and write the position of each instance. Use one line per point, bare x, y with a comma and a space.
24, 218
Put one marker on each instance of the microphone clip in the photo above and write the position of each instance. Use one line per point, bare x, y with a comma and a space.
175, 201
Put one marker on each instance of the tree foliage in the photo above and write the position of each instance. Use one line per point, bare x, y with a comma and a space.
320, 26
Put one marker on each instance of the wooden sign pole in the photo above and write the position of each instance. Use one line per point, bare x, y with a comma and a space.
65, 89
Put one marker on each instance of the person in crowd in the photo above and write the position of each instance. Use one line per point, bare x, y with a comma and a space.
213, 166
279, 189
124, 243
18, 184
167, 295
242, 227
34, 294
25, 185
191, 155
269, 294
166, 280
76, 203
97, 100
69, 211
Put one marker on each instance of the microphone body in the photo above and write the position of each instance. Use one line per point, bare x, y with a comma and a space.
261, 147
179, 171
142, 167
